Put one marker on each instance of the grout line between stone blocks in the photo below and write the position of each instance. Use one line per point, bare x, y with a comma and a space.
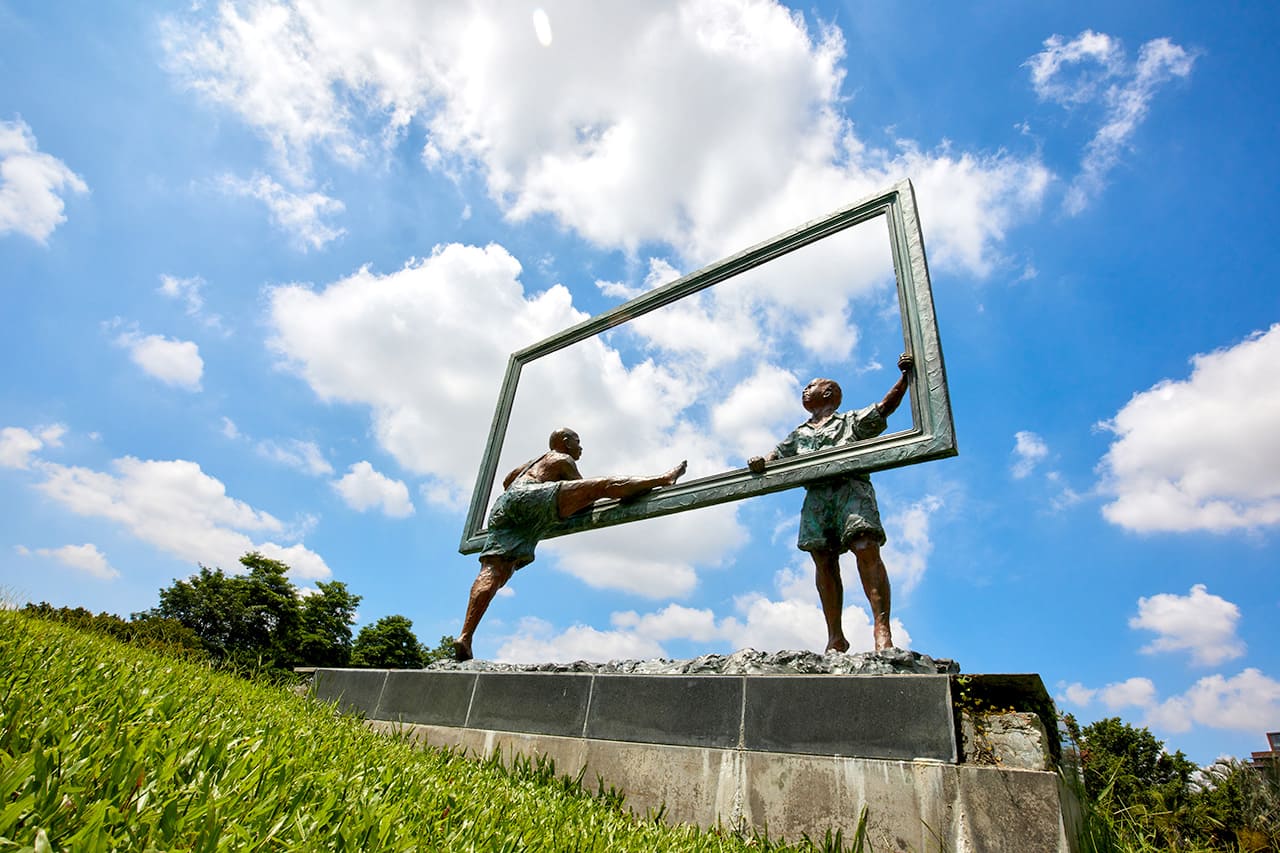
586, 717
471, 700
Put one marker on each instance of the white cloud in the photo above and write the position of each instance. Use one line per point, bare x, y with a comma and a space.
87, 558
176, 507
424, 347
791, 621
535, 641
364, 488
906, 554
52, 434
1132, 692
305, 456
188, 291
229, 428
628, 128
1248, 702
32, 184
1199, 622
172, 361
1077, 694
1201, 453
655, 558
1093, 68
757, 411
1028, 450
16, 447
300, 214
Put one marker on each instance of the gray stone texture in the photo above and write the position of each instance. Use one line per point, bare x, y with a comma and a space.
888, 716
414, 696
673, 709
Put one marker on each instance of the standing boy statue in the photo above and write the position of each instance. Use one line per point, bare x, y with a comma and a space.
840, 514
539, 494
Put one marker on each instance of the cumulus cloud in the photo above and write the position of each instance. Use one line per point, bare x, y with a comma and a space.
299, 214
1139, 692
424, 347
1247, 702
1199, 622
906, 555
1201, 453
177, 508
1093, 68
536, 640
791, 620
18, 445
656, 558
86, 558
627, 129
32, 184
173, 362
363, 489
758, 411
1028, 451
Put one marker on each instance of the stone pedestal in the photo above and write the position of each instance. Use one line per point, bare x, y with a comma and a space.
938, 760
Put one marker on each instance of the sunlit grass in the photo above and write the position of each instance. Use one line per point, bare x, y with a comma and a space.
109, 747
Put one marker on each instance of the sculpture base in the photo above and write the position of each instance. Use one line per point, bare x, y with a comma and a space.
793, 754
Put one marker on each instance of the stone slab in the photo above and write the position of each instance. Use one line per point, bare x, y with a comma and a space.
354, 690
414, 696
540, 703
889, 716
672, 709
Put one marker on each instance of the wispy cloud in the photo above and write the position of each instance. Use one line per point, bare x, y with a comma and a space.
299, 214
1093, 69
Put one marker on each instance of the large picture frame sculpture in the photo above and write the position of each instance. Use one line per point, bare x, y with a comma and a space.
931, 436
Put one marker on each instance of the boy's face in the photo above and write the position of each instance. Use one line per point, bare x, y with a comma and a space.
819, 393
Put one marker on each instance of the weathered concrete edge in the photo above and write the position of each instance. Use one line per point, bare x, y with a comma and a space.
911, 805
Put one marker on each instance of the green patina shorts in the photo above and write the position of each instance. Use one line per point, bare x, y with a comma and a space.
838, 512
520, 517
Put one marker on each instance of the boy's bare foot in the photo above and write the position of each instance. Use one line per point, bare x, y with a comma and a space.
461, 651
884, 638
839, 644
675, 473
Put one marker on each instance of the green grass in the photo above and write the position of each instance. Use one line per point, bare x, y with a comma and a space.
108, 747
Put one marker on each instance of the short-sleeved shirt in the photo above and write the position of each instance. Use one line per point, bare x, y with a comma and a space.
841, 510
521, 516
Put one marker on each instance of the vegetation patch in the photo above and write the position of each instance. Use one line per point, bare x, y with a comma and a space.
105, 746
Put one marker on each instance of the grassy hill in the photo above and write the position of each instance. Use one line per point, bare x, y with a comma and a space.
105, 746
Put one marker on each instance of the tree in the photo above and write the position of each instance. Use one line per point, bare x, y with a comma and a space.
444, 651
251, 621
1130, 765
327, 616
389, 643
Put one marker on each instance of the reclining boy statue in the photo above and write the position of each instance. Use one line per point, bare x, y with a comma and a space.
537, 496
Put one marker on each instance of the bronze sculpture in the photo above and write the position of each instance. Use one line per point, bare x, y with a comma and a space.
536, 496
841, 514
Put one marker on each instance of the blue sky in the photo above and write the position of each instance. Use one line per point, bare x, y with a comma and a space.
262, 265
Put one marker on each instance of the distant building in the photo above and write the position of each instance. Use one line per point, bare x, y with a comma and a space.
1271, 758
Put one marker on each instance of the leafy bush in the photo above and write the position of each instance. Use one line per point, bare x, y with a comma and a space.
1138, 798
